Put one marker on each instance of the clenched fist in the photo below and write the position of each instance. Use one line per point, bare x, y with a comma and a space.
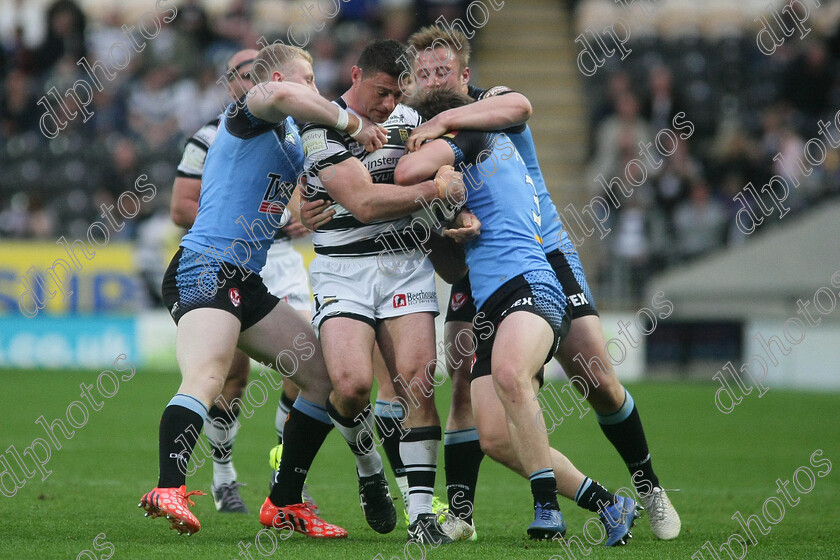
450, 185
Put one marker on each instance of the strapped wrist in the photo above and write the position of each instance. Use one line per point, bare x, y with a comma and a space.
343, 120
358, 129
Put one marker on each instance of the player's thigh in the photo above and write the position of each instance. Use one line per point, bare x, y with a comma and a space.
204, 347
584, 342
408, 344
286, 342
348, 347
459, 344
523, 340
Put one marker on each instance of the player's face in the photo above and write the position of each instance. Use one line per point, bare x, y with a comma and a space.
300, 71
378, 95
239, 80
440, 69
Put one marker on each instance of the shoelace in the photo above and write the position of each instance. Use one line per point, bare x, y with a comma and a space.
658, 503
230, 497
543, 512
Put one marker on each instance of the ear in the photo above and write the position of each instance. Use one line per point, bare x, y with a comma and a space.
465, 76
277, 76
356, 74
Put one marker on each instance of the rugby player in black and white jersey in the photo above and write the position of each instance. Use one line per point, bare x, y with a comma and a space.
283, 274
356, 303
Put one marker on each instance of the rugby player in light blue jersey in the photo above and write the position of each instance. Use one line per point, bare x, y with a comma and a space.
217, 299
441, 59
516, 290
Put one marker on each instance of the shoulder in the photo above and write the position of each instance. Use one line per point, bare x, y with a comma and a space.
205, 135
404, 115
478, 93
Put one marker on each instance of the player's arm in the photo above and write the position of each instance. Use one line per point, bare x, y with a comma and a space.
349, 183
283, 99
183, 207
424, 163
184, 204
499, 108
447, 257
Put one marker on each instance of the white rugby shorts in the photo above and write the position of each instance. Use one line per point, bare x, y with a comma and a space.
285, 276
356, 287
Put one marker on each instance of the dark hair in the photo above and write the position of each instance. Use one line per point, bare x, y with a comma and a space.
382, 55
438, 100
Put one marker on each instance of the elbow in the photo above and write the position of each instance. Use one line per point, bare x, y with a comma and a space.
179, 217
524, 109
363, 212
401, 175
410, 171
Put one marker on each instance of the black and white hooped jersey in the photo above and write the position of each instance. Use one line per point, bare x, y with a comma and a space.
344, 235
195, 152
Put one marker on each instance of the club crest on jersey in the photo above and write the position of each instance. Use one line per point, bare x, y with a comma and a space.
234, 296
458, 301
404, 134
276, 194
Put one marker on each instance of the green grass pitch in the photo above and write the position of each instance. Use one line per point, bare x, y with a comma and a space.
721, 464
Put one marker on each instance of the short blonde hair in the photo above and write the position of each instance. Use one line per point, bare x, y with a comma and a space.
273, 57
432, 37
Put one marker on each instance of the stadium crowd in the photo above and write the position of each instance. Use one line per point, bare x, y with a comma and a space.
747, 108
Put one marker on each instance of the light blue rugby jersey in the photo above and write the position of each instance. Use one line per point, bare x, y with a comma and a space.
551, 226
507, 205
249, 175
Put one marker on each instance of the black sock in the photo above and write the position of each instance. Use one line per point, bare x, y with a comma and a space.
283, 409
624, 430
594, 497
178, 432
302, 438
391, 442
223, 420
462, 457
544, 488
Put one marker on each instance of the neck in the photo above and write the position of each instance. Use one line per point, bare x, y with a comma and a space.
352, 102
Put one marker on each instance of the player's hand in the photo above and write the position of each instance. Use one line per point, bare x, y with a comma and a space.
429, 130
372, 136
450, 185
295, 229
465, 227
316, 213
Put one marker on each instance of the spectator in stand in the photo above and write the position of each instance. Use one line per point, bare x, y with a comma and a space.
617, 137
700, 222
662, 102
17, 105
65, 35
806, 85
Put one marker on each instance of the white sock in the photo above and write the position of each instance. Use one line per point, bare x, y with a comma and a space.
359, 437
221, 434
420, 459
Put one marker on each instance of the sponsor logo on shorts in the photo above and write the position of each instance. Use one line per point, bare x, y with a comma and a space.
529, 301
174, 309
458, 301
414, 298
235, 299
578, 299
